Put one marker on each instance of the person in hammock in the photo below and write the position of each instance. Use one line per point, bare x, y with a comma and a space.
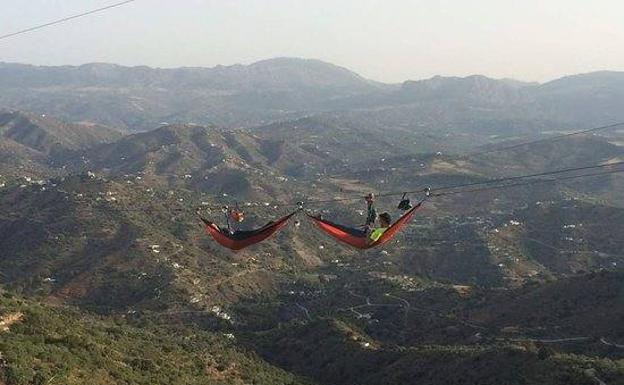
376, 232
231, 215
232, 230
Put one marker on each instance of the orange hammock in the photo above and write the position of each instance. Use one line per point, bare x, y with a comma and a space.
241, 239
359, 238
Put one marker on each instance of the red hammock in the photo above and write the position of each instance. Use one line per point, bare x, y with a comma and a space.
359, 238
241, 239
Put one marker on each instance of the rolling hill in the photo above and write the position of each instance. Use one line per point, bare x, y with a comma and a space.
46, 344
33, 143
555, 333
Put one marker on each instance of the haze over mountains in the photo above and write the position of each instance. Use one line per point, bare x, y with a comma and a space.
139, 98
107, 274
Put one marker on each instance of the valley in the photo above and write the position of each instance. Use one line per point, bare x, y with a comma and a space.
105, 260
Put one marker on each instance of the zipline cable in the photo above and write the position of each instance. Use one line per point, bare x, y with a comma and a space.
531, 182
490, 181
505, 179
475, 154
495, 150
446, 193
550, 139
65, 19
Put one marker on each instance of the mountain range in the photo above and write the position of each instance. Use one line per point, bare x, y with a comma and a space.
139, 98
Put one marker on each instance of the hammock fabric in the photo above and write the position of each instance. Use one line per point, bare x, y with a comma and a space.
359, 238
241, 239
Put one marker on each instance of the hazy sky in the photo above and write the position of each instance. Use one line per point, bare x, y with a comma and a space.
390, 40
